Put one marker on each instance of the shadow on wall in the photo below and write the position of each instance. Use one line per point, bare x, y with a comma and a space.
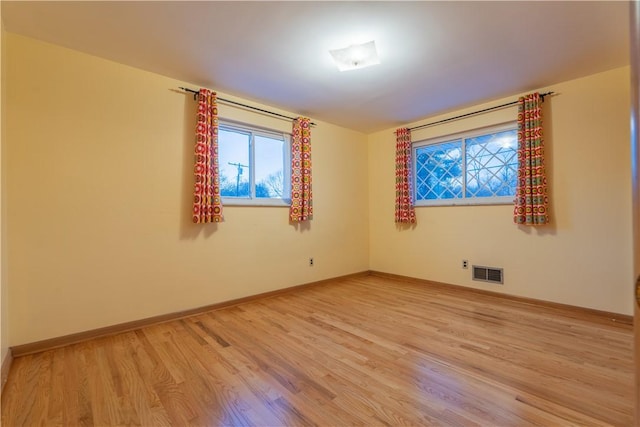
403, 226
551, 228
189, 230
301, 226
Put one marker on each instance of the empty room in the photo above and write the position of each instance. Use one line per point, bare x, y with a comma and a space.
318, 213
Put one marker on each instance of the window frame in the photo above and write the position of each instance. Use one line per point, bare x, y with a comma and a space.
253, 131
462, 137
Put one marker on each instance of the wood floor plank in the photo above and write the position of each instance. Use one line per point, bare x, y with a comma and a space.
77, 361
18, 411
137, 371
55, 415
362, 351
141, 403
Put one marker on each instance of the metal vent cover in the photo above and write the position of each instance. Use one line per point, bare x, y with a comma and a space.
488, 274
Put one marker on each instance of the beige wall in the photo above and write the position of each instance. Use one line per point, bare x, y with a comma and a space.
99, 159
4, 300
584, 258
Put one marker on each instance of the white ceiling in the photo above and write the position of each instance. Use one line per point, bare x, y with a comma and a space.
435, 56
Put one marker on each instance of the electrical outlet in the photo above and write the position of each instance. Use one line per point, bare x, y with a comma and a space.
310, 262
465, 263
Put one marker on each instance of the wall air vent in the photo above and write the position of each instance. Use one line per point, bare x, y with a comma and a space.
488, 274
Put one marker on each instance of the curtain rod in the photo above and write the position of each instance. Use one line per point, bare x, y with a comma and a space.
228, 101
542, 95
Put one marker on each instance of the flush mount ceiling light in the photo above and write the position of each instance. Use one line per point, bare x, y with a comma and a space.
355, 56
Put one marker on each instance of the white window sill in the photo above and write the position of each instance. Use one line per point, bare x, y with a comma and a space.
484, 201
233, 201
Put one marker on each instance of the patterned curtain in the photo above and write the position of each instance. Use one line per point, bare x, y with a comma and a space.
301, 196
405, 212
207, 205
531, 192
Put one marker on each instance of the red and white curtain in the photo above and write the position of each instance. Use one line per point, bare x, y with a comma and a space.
405, 212
301, 195
531, 202
207, 204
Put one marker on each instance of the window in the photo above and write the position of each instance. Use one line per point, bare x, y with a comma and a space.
478, 167
254, 166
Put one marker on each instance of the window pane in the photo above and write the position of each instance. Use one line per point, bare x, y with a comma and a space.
439, 171
233, 149
492, 164
269, 158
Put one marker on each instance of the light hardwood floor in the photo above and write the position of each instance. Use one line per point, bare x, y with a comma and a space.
364, 351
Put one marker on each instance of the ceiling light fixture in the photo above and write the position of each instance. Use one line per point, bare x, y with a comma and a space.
356, 56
